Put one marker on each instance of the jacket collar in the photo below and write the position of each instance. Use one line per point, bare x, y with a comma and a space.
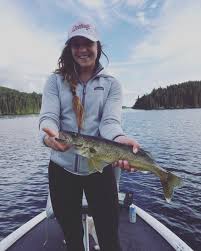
101, 72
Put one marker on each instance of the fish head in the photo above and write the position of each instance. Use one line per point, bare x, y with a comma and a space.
66, 137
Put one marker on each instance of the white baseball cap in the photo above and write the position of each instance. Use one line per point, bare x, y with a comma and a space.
83, 29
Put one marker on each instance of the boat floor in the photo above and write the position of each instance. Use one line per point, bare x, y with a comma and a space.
47, 236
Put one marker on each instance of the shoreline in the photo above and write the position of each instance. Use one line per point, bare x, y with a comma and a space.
18, 115
162, 109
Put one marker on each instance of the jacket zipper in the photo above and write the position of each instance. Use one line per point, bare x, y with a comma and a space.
83, 102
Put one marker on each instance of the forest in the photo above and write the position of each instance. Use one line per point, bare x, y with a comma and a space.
183, 95
13, 102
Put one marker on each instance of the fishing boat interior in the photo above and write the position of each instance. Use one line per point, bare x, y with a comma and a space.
145, 233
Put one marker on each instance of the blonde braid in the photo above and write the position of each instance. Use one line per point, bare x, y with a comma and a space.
77, 105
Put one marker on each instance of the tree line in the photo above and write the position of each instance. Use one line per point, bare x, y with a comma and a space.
13, 102
183, 95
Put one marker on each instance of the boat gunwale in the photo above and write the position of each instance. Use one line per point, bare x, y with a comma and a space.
8, 241
177, 243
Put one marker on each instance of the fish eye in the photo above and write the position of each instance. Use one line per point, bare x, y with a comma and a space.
92, 150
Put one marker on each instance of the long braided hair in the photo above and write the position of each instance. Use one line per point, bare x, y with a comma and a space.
68, 68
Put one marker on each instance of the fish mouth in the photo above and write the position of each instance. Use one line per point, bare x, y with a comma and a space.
60, 140
63, 138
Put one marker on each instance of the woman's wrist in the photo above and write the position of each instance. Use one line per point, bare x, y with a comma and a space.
120, 135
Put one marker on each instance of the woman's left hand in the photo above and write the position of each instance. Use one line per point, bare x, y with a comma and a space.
123, 164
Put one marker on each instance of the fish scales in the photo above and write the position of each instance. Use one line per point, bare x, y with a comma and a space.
100, 152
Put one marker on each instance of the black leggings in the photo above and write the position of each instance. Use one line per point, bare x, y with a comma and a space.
66, 191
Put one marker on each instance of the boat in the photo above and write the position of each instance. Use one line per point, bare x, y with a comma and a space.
42, 233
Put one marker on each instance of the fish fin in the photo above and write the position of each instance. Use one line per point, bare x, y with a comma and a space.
96, 165
169, 182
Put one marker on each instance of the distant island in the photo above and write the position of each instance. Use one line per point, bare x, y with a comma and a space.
13, 102
178, 96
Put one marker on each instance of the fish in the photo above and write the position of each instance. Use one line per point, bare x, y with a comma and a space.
101, 152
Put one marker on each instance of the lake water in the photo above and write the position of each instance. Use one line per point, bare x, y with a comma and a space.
172, 136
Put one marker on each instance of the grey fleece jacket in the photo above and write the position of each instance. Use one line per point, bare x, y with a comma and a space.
101, 97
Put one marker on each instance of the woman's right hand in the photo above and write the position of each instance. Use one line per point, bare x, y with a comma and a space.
51, 142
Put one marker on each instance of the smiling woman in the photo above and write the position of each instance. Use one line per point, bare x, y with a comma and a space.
80, 60
84, 52
81, 97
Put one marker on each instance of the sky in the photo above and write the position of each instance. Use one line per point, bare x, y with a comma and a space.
150, 43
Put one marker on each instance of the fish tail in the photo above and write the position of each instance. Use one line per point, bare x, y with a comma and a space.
169, 182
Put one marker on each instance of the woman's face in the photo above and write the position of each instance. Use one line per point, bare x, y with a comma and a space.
84, 52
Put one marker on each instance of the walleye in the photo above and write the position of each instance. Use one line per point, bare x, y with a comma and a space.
101, 152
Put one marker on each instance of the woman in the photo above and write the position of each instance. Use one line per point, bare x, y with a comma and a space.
81, 97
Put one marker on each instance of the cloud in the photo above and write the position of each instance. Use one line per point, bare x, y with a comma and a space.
95, 4
29, 53
84, 9
176, 35
137, 12
107, 12
174, 47
136, 3
169, 54
26, 51
168, 51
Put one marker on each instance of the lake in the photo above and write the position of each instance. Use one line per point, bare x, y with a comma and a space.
172, 136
